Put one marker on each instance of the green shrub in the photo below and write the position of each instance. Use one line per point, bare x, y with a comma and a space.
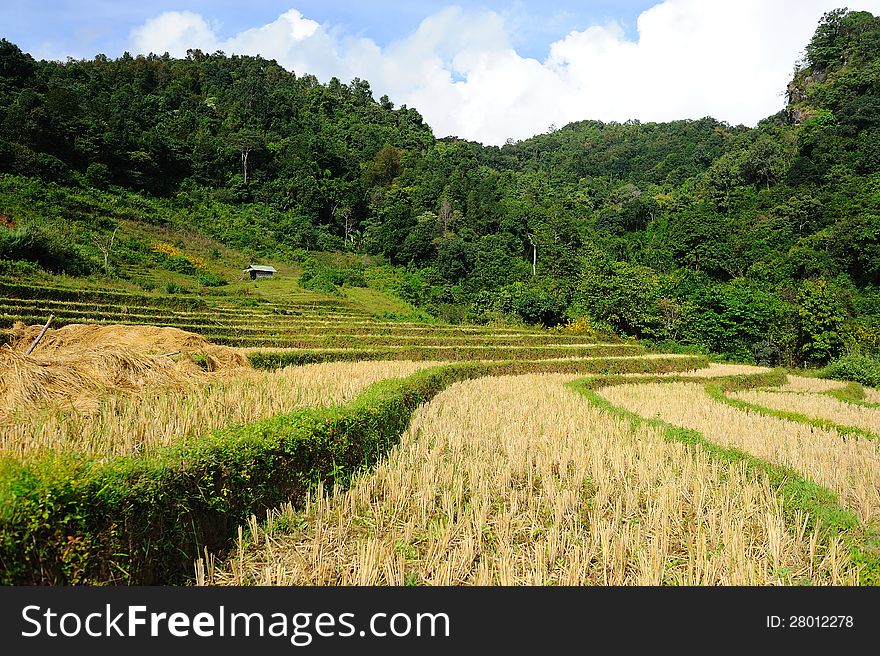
530, 303
320, 276
98, 175
821, 319
179, 264
318, 282
19, 268
209, 279
172, 287
864, 369
47, 249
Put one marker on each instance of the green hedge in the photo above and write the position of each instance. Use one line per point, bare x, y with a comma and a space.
276, 359
379, 339
144, 519
718, 393
64, 520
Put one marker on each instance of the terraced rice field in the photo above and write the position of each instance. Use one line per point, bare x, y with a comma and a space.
156, 416
520, 481
320, 328
817, 406
367, 451
848, 466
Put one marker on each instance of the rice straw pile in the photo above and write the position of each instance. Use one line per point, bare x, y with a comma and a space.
78, 364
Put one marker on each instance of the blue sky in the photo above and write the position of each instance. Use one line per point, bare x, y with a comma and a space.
56, 29
489, 71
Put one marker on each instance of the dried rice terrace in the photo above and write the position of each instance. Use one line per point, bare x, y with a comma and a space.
306, 441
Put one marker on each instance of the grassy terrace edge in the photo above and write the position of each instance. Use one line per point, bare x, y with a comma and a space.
268, 359
718, 393
798, 493
144, 519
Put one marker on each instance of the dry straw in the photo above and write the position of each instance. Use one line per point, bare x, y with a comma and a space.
519, 480
77, 365
807, 384
848, 465
161, 414
817, 406
715, 369
145, 340
712, 371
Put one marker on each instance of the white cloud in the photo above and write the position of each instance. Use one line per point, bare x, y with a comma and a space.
174, 32
728, 59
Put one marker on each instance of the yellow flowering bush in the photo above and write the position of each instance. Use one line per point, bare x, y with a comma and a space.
169, 250
166, 249
581, 325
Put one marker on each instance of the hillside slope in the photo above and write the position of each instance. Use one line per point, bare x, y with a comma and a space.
762, 244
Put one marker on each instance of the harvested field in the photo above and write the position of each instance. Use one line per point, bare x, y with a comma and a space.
848, 465
519, 480
714, 370
872, 395
163, 414
809, 384
499, 480
816, 406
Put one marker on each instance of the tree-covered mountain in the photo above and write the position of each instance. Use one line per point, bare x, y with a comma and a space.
762, 243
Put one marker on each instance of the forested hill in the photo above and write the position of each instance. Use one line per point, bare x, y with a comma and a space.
762, 243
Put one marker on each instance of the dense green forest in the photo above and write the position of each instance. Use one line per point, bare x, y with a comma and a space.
762, 244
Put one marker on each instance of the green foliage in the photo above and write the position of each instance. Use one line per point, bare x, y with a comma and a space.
98, 175
98, 297
821, 320
179, 264
864, 369
171, 287
322, 276
692, 231
40, 246
736, 320
209, 279
623, 296
19, 269
529, 303
274, 359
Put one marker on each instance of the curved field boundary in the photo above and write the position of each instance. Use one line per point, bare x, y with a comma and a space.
719, 393
143, 520
799, 495
855, 394
846, 391
518, 480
